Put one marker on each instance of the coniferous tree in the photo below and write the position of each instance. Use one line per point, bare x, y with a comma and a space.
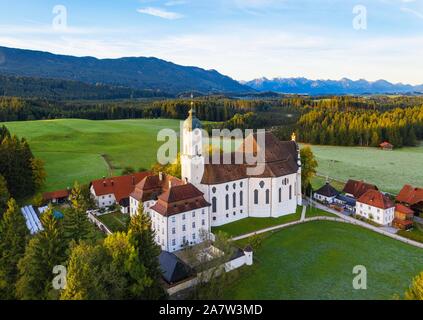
77, 227
13, 239
148, 251
44, 251
85, 273
4, 195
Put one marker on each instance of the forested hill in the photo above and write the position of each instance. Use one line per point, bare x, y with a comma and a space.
26, 87
137, 72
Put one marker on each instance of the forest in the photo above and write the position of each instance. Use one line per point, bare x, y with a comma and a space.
336, 120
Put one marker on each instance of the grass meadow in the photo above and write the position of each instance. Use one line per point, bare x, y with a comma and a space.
389, 170
315, 261
84, 150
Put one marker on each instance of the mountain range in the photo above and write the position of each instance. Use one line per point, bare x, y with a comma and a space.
343, 86
149, 76
135, 72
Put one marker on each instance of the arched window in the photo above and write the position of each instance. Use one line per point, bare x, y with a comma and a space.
290, 192
241, 200
227, 201
255, 196
267, 196
280, 194
234, 200
214, 204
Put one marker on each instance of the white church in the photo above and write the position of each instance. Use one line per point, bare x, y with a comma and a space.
210, 195
231, 191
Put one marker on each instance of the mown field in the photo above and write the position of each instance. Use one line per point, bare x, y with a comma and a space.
315, 261
84, 150
389, 170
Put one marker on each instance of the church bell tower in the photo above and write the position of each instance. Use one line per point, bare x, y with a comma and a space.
192, 159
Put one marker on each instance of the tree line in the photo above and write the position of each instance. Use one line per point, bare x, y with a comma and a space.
331, 126
21, 174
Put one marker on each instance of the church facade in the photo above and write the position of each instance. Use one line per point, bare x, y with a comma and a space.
233, 194
183, 211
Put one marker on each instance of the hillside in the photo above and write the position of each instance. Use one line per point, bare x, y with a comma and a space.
27, 87
134, 72
343, 86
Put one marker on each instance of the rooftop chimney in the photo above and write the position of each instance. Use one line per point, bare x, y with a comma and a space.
104, 182
133, 180
161, 176
113, 183
170, 184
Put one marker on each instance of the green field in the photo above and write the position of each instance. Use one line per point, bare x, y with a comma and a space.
315, 261
84, 150
389, 170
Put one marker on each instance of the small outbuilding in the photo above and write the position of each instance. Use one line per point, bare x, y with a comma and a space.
174, 269
386, 146
403, 217
326, 194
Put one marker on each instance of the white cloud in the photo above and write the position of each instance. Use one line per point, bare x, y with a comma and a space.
161, 13
247, 55
172, 3
413, 12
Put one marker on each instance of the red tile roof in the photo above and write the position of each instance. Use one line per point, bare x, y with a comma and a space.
58, 194
178, 199
152, 186
403, 209
386, 145
121, 186
280, 159
410, 195
376, 199
358, 188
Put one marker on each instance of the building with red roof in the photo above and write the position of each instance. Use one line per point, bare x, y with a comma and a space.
58, 196
178, 210
376, 206
411, 197
355, 189
386, 146
403, 217
116, 190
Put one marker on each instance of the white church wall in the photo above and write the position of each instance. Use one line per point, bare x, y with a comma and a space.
260, 205
285, 204
227, 213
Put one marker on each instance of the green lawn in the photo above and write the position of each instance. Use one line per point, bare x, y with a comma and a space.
315, 261
389, 170
315, 212
248, 225
115, 221
75, 149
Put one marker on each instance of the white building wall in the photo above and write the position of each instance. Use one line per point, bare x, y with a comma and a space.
170, 232
380, 216
288, 202
104, 200
227, 213
260, 208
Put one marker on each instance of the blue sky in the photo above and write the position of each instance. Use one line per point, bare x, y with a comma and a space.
244, 39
